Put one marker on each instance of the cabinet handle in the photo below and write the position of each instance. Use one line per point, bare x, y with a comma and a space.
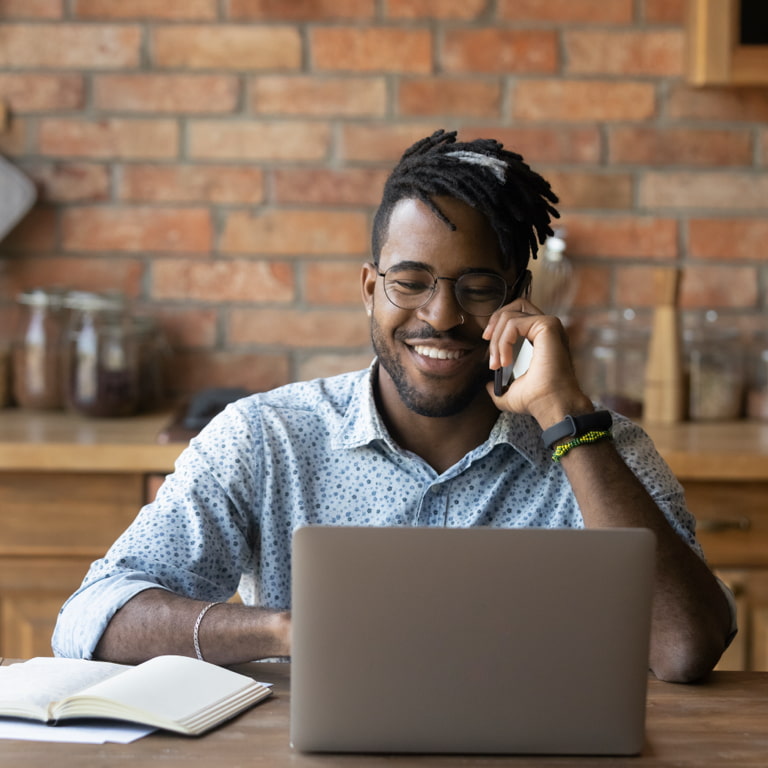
716, 525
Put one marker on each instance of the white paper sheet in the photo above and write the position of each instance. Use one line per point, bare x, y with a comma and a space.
91, 732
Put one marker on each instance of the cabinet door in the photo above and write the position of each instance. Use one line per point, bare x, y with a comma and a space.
731, 521
749, 650
32, 590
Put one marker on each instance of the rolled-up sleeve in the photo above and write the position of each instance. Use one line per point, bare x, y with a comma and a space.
195, 539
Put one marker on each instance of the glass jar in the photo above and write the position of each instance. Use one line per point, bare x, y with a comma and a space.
715, 371
102, 357
152, 361
613, 365
757, 378
37, 363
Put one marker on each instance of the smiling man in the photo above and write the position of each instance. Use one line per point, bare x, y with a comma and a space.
419, 438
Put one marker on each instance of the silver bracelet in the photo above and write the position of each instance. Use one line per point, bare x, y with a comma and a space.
196, 630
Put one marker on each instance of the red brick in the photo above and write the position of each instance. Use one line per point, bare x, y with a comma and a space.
101, 274
253, 140
500, 50
166, 93
222, 280
621, 237
649, 145
459, 10
34, 233
193, 371
728, 239
567, 11
717, 190
333, 97
579, 189
69, 46
449, 96
332, 364
348, 186
728, 104
593, 286
14, 139
542, 144
226, 47
295, 232
186, 326
380, 142
294, 329
371, 49
579, 100
26, 92
31, 9
111, 138
70, 182
301, 10
715, 287
635, 286
169, 10
658, 53
191, 183
334, 283
665, 11
171, 230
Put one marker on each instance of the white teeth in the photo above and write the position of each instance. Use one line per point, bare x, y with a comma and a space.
438, 354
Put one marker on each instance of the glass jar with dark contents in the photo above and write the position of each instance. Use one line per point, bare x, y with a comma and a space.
102, 357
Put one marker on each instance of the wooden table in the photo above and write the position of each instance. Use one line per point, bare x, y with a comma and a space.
718, 723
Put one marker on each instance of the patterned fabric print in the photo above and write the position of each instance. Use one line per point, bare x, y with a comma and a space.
316, 453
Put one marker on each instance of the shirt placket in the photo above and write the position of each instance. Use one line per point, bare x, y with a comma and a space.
433, 508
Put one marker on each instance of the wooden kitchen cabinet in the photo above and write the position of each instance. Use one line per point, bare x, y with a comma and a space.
68, 488
724, 470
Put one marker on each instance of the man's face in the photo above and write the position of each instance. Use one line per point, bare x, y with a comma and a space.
433, 362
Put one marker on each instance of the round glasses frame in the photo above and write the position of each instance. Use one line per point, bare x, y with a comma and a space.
421, 298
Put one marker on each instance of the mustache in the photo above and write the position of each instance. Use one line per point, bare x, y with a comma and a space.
456, 334
427, 332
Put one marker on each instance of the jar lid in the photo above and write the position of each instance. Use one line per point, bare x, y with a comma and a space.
88, 301
40, 297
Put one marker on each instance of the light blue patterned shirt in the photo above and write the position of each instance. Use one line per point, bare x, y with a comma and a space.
317, 453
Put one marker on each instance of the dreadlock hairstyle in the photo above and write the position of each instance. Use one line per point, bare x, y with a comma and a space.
516, 201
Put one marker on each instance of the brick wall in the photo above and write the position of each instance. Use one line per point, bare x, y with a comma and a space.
218, 161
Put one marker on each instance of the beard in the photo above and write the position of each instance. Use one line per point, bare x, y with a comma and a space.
424, 403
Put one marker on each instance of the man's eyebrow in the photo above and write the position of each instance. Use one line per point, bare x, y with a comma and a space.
408, 264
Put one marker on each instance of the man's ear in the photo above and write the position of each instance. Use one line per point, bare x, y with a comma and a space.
368, 276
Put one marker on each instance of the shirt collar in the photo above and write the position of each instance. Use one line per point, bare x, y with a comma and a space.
362, 424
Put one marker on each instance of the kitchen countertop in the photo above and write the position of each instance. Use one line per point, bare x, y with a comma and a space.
60, 441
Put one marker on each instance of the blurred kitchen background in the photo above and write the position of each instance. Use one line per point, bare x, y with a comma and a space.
205, 173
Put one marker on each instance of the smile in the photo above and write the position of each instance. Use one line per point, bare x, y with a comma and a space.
439, 354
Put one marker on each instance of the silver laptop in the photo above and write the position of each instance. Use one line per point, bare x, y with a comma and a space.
476, 640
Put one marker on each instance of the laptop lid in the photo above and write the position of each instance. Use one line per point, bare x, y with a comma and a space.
470, 640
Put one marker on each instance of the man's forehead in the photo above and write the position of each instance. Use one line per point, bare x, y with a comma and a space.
418, 233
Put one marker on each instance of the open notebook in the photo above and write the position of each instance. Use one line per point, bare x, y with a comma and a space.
470, 640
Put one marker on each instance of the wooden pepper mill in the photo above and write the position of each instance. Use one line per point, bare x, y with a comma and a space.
663, 395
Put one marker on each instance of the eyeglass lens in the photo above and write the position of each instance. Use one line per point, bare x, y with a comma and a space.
478, 294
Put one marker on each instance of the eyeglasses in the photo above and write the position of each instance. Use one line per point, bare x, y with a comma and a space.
477, 293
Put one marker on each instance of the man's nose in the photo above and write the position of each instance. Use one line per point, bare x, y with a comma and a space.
443, 310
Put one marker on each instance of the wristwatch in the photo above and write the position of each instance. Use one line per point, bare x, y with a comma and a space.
576, 426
